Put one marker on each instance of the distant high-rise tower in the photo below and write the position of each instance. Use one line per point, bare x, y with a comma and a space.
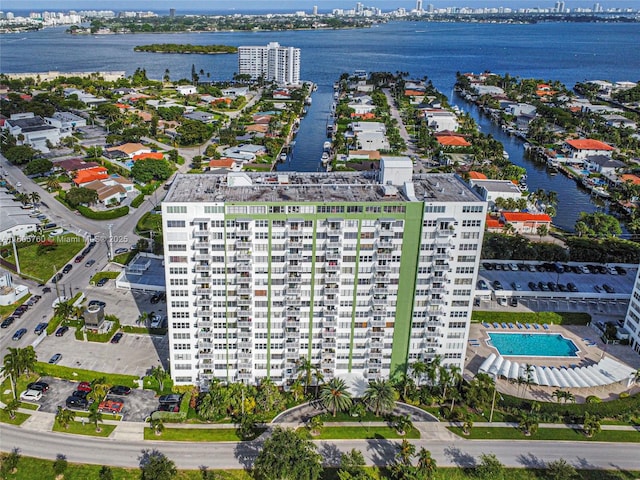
315, 9
430, 8
172, 12
419, 5
281, 64
597, 7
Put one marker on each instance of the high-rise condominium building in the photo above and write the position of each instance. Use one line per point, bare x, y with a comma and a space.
632, 320
273, 62
360, 273
419, 6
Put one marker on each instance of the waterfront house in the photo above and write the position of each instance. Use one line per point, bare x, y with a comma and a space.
618, 121
517, 109
186, 89
524, 222
369, 135
439, 119
602, 164
32, 130
224, 163
362, 105
452, 140
584, 147
490, 190
84, 177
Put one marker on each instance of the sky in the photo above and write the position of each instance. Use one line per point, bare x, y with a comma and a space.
280, 5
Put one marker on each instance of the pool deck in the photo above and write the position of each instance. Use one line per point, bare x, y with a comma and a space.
586, 356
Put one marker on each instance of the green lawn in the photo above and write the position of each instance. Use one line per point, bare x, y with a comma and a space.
368, 433
560, 318
5, 388
6, 310
105, 416
195, 435
18, 420
345, 417
81, 375
43, 266
124, 258
100, 275
150, 221
78, 428
568, 434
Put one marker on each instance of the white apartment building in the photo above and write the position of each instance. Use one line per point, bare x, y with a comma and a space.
632, 320
361, 273
273, 62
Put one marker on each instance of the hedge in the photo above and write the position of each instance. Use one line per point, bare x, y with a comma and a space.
136, 202
557, 318
105, 215
80, 375
100, 275
104, 337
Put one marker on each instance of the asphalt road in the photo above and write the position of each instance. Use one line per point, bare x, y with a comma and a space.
522, 453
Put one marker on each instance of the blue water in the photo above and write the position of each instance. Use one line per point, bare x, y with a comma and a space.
568, 52
533, 345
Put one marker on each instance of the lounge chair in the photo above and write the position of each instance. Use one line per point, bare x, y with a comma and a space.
519, 325
536, 326
486, 325
504, 325
545, 326
527, 326
511, 325
496, 325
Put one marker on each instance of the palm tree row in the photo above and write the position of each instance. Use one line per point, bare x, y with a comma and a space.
17, 362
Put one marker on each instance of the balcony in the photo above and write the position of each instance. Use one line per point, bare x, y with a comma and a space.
333, 256
384, 256
332, 301
377, 354
444, 232
379, 291
201, 234
439, 290
328, 333
376, 344
244, 302
385, 233
294, 279
294, 268
244, 323
294, 256
332, 267
245, 355
294, 243
242, 256
331, 278
334, 241
204, 323
293, 300
377, 323
385, 242
245, 344
442, 256
205, 345
203, 279
245, 375
441, 267
329, 343
290, 322
205, 334
329, 322
243, 267
243, 245
383, 267
205, 355
203, 291
199, 257
199, 245
292, 355
244, 291
438, 301
203, 302
380, 301
329, 354
242, 314
203, 313
202, 268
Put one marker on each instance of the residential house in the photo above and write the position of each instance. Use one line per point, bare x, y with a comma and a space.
364, 155
362, 105
87, 98
603, 164
130, 149
235, 92
66, 122
186, 89
32, 130
224, 163
204, 117
487, 89
452, 140
517, 109
524, 222
490, 190
73, 165
148, 156
369, 135
523, 121
107, 194
439, 119
14, 220
619, 121
84, 177
473, 175
493, 224
585, 147
281, 94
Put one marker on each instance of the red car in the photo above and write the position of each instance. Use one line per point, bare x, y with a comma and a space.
84, 387
110, 406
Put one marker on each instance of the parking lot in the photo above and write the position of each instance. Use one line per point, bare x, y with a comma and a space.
127, 305
516, 282
138, 405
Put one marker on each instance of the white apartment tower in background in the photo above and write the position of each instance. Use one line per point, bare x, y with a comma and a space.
273, 62
632, 319
360, 273
419, 6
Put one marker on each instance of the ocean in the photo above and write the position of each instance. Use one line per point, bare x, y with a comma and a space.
568, 52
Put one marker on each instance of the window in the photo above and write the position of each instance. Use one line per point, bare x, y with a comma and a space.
176, 209
175, 259
471, 223
472, 208
178, 270
213, 209
434, 209
177, 248
175, 223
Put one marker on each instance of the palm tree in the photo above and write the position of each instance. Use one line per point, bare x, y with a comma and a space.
426, 464
12, 407
591, 425
18, 361
432, 370
63, 310
467, 425
305, 367
160, 375
405, 453
418, 369
95, 417
53, 184
402, 424
64, 417
558, 394
35, 197
156, 425
297, 389
379, 397
315, 425
335, 396
99, 389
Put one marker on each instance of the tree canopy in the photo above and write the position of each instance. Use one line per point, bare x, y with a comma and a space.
287, 456
598, 224
154, 465
80, 195
147, 170
38, 166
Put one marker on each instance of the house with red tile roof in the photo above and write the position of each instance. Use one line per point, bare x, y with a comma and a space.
130, 149
524, 222
452, 141
630, 178
89, 175
148, 156
226, 163
493, 224
585, 147
477, 175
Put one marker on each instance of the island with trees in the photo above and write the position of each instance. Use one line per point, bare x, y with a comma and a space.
186, 48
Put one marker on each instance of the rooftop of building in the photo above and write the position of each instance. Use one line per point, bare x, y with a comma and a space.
335, 187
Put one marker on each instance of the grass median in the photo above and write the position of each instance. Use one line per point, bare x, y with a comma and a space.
196, 435
19, 417
89, 429
361, 433
558, 434
80, 375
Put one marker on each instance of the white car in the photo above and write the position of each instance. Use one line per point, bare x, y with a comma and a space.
513, 267
31, 395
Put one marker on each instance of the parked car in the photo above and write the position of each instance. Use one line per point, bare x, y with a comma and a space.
41, 327
89, 263
533, 286
120, 390
608, 288
67, 268
6, 323
513, 267
156, 321
513, 301
111, 406
544, 287
56, 278
121, 250
597, 288
171, 398
562, 287
19, 334
552, 286
102, 282
483, 285
31, 395
116, 338
585, 269
572, 287
79, 394
84, 387
55, 358
77, 403
621, 270
78, 259
612, 271
40, 386
497, 285
516, 286
46, 290
61, 331
97, 302
155, 299
488, 266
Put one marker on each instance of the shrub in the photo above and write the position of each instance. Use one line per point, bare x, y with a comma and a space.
593, 399
136, 202
106, 215
170, 417
624, 395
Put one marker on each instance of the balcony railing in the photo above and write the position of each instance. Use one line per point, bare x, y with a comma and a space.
383, 267
332, 267
243, 245
205, 334
243, 267
245, 376
377, 323
203, 279
333, 256
201, 234
203, 291
442, 267
294, 268
384, 256
244, 302
331, 278
244, 291
292, 355
290, 333
328, 333
332, 301
244, 323
295, 244
205, 355
203, 302
203, 268
381, 301
200, 245
242, 256
242, 314
245, 355
245, 344
203, 313
198, 257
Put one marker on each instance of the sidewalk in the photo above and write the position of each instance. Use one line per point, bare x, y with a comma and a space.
572, 426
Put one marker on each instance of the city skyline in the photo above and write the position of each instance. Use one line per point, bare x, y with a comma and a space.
286, 5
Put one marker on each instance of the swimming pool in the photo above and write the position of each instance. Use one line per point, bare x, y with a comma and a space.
533, 345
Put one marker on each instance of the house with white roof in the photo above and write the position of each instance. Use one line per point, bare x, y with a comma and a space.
29, 129
490, 190
369, 135
66, 122
362, 104
439, 119
186, 89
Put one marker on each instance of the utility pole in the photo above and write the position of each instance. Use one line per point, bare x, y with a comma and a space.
493, 402
15, 253
110, 241
55, 272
